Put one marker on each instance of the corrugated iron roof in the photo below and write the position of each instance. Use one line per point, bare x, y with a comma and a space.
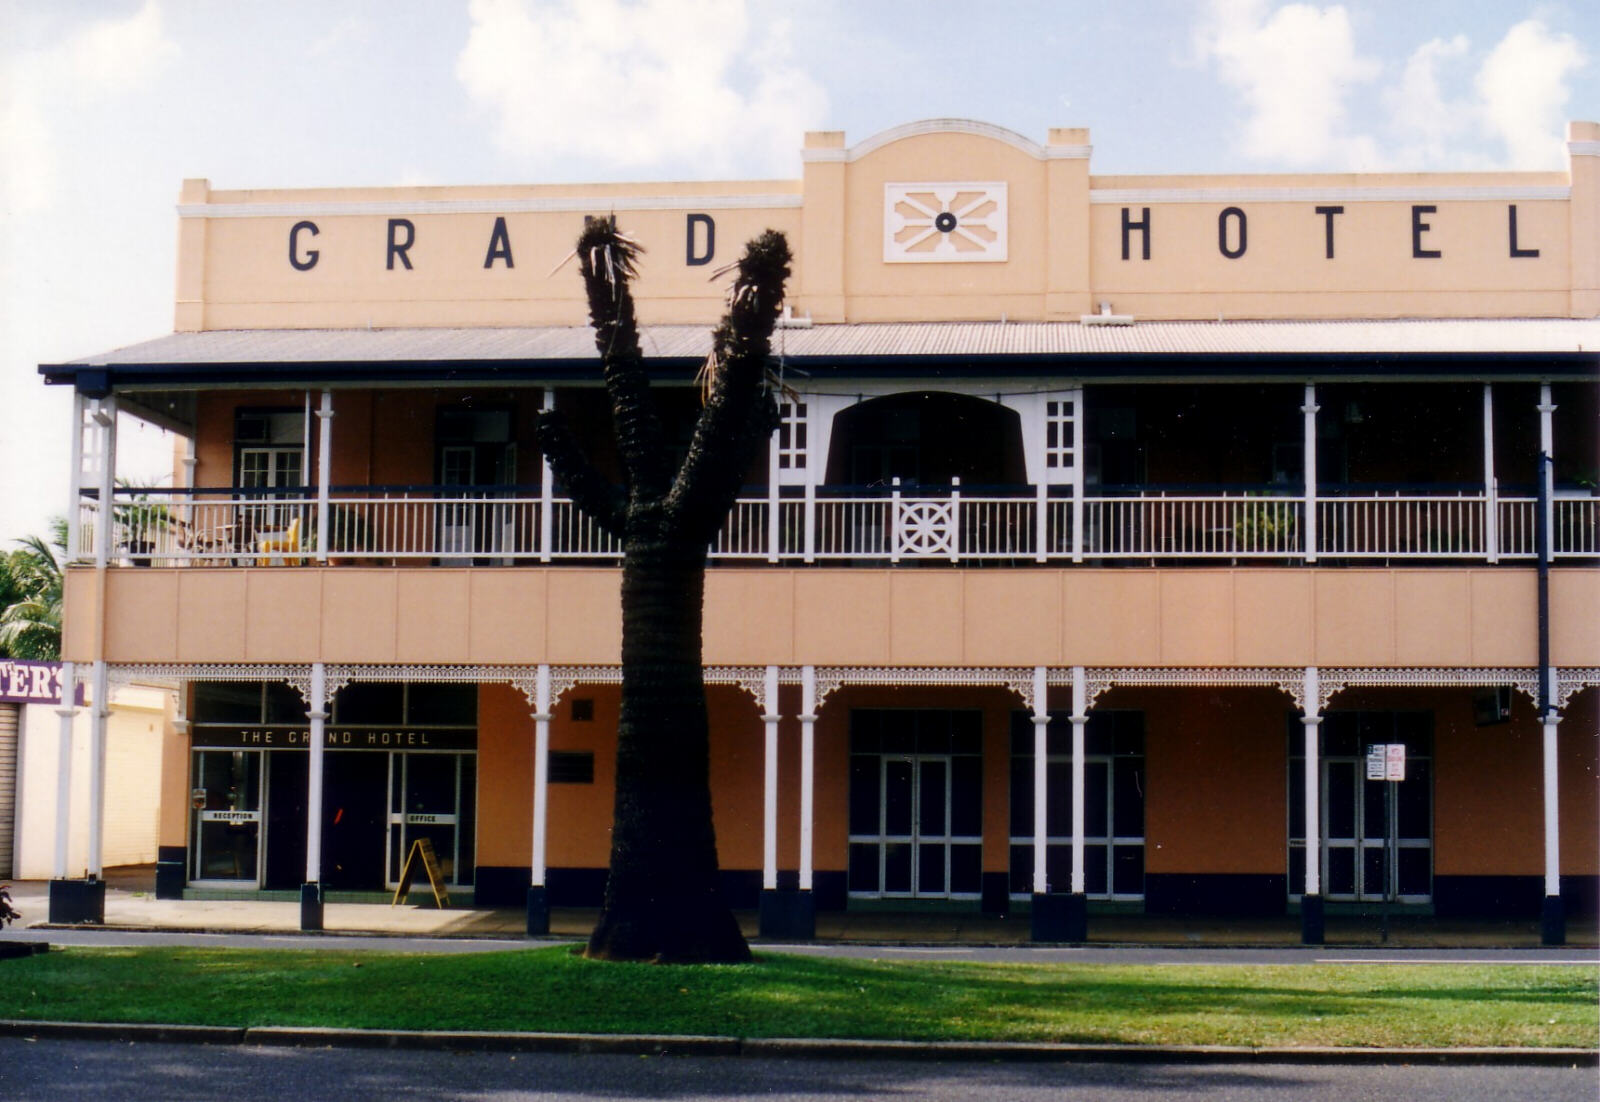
885, 341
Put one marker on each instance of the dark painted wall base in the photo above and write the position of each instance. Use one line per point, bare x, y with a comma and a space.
538, 912
587, 887
500, 885
830, 890
311, 907
1060, 917
1511, 896
1553, 921
1313, 928
741, 888
996, 894
575, 887
1224, 895
77, 902
788, 914
171, 861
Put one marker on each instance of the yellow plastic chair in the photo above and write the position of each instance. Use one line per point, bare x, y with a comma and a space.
272, 548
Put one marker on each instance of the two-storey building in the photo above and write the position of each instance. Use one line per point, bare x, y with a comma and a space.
1192, 544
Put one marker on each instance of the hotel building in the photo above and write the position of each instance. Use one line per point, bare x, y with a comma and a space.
1178, 544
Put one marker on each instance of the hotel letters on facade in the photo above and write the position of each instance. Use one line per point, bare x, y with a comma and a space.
1113, 526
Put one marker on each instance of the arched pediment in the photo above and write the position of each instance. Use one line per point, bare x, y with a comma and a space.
934, 126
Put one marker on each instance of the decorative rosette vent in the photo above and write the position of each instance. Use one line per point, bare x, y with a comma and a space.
944, 223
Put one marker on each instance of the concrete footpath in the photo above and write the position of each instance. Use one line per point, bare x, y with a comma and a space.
131, 905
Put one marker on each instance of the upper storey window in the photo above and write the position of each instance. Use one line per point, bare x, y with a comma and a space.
269, 448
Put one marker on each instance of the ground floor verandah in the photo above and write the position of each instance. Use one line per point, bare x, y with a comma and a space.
1168, 795
131, 905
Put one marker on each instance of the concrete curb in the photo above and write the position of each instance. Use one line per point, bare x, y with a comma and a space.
148, 1032
628, 1044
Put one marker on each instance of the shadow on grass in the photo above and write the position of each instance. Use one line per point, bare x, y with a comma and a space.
552, 990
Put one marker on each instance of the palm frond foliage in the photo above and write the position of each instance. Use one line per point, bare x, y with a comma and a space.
30, 597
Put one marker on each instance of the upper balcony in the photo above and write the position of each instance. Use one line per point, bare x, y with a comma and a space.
896, 475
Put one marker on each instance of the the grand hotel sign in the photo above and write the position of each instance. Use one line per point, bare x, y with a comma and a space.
953, 222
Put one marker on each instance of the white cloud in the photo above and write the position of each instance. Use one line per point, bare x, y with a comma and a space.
347, 33
106, 58
1417, 106
116, 55
1523, 90
58, 199
1294, 68
694, 82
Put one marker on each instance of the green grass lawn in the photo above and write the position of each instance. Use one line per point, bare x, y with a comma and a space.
791, 996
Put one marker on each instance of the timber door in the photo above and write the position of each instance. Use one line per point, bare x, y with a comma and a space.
916, 804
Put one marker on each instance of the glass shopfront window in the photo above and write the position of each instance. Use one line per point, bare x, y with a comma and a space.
400, 764
1113, 804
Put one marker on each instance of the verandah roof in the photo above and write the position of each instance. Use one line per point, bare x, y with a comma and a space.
1495, 346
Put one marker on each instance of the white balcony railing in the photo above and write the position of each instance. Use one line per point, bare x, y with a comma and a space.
472, 527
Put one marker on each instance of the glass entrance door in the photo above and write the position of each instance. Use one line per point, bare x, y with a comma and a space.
430, 796
226, 800
1377, 836
916, 821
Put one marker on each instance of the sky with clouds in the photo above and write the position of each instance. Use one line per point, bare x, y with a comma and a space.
107, 105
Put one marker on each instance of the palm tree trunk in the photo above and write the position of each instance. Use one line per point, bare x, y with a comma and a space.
662, 898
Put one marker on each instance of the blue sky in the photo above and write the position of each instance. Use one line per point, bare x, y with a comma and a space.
106, 106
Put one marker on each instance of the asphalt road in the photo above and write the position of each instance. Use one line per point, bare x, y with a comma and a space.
1024, 954
48, 1071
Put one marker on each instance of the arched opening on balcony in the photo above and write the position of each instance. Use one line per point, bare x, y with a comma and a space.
927, 439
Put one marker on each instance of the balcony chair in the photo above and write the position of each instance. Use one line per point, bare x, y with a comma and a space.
273, 547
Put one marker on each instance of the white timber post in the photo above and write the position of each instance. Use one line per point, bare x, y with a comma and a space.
1491, 488
1080, 720
1552, 801
1309, 410
1311, 721
808, 725
324, 473
769, 802
75, 482
811, 517
774, 518
1547, 471
105, 417
1041, 789
1311, 909
1077, 475
546, 490
894, 521
541, 772
317, 717
955, 519
68, 711
99, 715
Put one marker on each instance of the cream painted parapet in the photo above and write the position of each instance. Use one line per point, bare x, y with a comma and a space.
189, 312
1067, 273
939, 220
1583, 149
1216, 617
821, 280
456, 256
